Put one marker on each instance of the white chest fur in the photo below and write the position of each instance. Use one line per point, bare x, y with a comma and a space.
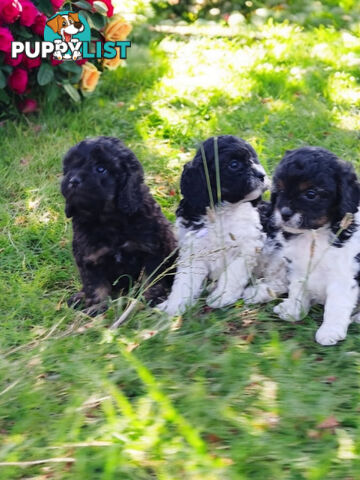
316, 263
322, 273
224, 248
232, 230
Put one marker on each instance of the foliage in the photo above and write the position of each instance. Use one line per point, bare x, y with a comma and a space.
303, 12
230, 394
24, 80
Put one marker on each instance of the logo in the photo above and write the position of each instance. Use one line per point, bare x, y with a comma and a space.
67, 36
68, 31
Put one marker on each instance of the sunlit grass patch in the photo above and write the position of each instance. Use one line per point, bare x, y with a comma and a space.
343, 88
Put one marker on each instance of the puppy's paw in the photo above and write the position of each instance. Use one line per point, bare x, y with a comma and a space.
77, 300
76, 56
260, 293
156, 295
57, 55
330, 334
96, 309
162, 306
286, 310
221, 299
88, 305
172, 309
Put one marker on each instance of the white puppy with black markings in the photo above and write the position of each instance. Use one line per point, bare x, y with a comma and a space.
219, 229
315, 200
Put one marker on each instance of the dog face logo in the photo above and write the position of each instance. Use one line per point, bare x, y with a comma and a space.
66, 25
67, 30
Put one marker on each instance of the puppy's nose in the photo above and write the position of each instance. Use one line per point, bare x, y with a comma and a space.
286, 213
259, 175
74, 182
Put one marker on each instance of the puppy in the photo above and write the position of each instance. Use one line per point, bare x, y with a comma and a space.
270, 275
218, 223
315, 199
119, 231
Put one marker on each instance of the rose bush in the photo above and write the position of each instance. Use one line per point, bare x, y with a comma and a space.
10, 10
18, 80
26, 82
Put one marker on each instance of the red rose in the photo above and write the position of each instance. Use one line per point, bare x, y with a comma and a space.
29, 13
29, 105
57, 4
55, 62
32, 62
5, 39
38, 26
18, 80
82, 61
10, 10
14, 62
110, 8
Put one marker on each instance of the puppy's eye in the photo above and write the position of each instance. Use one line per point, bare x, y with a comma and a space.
235, 166
311, 194
100, 169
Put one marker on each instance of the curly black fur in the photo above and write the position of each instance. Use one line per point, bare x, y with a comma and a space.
119, 231
315, 184
238, 178
265, 210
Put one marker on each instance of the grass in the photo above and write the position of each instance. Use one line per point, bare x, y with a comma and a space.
228, 394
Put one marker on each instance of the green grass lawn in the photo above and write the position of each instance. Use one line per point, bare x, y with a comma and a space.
228, 394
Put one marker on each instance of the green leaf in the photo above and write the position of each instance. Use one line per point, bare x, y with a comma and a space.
100, 7
24, 33
4, 97
45, 74
76, 77
70, 67
2, 80
87, 17
52, 93
83, 5
72, 92
45, 6
98, 21
6, 68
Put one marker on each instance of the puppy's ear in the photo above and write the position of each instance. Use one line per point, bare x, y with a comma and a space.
348, 190
54, 24
273, 198
69, 211
74, 16
193, 185
131, 194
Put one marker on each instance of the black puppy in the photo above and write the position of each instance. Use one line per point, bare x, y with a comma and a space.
119, 230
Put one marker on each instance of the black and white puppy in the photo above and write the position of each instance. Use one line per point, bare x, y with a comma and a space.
119, 231
220, 243
315, 199
270, 275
